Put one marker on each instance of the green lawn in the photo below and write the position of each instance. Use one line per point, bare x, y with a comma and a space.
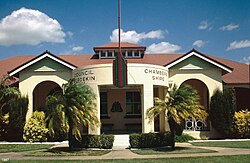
22, 147
226, 144
211, 159
178, 150
64, 151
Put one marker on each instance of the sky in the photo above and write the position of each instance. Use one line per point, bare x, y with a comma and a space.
218, 28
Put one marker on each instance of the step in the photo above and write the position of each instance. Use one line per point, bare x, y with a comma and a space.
121, 141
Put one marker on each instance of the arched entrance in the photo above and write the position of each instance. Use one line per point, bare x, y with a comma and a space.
201, 88
41, 91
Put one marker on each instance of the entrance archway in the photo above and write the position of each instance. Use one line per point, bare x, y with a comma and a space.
201, 88
41, 91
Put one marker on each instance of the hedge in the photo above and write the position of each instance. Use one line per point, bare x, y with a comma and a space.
95, 141
149, 140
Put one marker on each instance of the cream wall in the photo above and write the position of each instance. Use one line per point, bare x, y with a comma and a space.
95, 76
147, 76
45, 70
210, 77
144, 75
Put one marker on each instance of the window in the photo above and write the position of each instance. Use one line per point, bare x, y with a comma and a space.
104, 103
124, 53
103, 53
133, 103
130, 53
136, 54
110, 53
116, 53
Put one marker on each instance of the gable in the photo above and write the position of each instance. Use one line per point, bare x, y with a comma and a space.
193, 63
42, 65
47, 64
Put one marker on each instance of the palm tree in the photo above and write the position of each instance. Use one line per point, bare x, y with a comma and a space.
7, 94
6, 80
74, 107
180, 103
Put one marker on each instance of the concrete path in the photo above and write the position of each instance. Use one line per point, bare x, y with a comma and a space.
121, 153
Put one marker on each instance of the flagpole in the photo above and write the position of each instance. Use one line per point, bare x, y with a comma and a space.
119, 26
119, 57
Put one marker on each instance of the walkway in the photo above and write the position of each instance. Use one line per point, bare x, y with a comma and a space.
121, 153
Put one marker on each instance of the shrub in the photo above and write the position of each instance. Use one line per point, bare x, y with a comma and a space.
95, 141
184, 138
135, 140
107, 141
91, 141
241, 124
222, 109
16, 105
17, 118
35, 129
149, 140
4, 121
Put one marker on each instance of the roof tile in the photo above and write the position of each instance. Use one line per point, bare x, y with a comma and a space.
240, 74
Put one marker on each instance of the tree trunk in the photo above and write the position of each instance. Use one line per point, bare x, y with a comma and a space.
172, 133
70, 136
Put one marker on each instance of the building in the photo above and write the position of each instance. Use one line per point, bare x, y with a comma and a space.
123, 110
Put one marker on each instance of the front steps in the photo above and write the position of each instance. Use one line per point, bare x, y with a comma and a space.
121, 141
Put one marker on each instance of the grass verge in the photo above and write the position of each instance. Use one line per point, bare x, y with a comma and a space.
64, 151
178, 150
22, 147
226, 144
227, 159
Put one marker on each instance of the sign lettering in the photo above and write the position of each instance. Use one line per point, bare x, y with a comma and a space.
156, 74
84, 76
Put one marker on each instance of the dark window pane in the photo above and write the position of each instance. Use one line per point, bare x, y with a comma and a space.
137, 97
136, 53
129, 97
104, 109
103, 54
104, 102
130, 53
137, 108
133, 103
129, 109
103, 97
110, 54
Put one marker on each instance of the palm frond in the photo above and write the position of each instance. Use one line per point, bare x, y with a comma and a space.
180, 103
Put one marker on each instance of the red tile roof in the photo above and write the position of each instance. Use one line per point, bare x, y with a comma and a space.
10, 63
124, 45
240, 74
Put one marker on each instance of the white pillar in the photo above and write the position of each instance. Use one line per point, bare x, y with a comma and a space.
29, 92
164, 126
148, 101
30, 106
